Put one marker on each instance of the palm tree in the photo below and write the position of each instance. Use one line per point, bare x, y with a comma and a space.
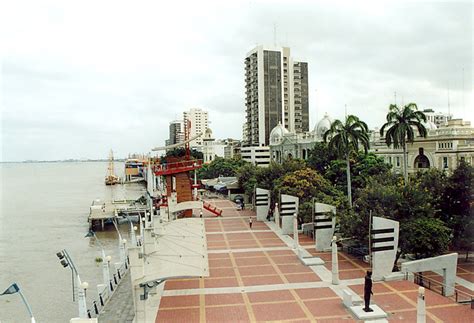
401, 124
344, 139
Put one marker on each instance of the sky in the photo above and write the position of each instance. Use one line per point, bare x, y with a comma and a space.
79, 78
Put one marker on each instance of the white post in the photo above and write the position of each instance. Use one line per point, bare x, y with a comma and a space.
123, 253
335, 263
420, 307
81, 297
133, 237
106, 271
295, 232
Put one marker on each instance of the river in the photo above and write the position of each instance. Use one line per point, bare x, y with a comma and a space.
44, 208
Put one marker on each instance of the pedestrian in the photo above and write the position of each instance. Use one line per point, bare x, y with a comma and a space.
250, 222
200, 214
242, 205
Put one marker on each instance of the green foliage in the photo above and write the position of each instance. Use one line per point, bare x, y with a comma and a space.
220, 167
424, 237
344, 140
247, 176
320, 157
181, 151
307, 184
400, 128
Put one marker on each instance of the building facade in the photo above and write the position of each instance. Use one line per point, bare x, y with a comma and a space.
199, 124
276, 92
440, 119
259, 156
176, 133
443, 148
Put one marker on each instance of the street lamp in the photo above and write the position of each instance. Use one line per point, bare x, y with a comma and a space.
65, 260
105, 261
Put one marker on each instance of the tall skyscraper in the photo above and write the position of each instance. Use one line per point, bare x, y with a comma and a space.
276, 92
199, 124
176, 132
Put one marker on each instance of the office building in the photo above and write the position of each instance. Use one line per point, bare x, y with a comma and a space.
199, 124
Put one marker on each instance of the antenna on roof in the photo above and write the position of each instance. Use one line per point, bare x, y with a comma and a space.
274, 34
449, 104
395, 97
345, 109
463, 89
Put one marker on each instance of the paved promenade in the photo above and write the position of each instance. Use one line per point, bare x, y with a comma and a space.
120, 307
256, 276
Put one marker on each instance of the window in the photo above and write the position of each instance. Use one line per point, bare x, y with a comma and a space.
398, 161
445, 162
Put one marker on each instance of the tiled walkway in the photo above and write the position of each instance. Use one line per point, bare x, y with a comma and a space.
255, 276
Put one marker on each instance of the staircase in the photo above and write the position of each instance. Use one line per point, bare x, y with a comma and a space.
213, 209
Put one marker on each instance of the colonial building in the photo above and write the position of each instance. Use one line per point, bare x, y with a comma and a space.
443, 148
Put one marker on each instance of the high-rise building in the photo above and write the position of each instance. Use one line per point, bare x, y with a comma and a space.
199, 124
276, 92
176, 133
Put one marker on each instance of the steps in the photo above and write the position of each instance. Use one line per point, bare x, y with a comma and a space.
213, 209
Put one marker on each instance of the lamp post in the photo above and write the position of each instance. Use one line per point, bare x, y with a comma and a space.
105, 261
14, 288
65, 260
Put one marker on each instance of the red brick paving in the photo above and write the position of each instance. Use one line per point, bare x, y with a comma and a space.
278, 311
276, 267
227, 314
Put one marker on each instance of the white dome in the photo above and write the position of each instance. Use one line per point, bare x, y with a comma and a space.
277, 133
208, 133
323, 125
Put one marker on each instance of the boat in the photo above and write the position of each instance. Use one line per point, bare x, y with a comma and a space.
111, 178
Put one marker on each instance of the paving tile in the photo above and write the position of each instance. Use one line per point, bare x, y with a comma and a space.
391, 302
222, 299
252, 261
285, 259
270, 296
315, 293
326, 307
454, 314
179, 301
222, 272
218, 256
227, 314
257, 270
272, 312
431, 298
239, 236
220, 263
351, 274
402, 285
181, 284
467, 276
302, 278
294, 268
287, 252
183, 315
249, 254
405, 316
262, 280
220, 282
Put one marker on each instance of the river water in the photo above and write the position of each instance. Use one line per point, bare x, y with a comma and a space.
44, 208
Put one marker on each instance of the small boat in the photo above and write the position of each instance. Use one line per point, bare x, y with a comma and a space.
111, 178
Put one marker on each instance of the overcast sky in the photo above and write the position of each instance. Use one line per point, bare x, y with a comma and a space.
79, 78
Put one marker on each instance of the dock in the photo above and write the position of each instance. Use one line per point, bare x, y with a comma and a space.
102, 212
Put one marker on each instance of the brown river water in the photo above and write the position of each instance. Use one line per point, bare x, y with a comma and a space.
43, 209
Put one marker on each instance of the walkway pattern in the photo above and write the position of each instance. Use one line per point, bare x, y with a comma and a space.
255, 276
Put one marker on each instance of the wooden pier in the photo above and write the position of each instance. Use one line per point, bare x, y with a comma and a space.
102, 212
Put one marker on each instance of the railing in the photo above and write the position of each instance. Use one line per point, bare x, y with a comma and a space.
103, 291
177, 166
433, 285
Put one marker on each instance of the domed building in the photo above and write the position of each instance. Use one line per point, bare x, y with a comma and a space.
323, 125
285, 144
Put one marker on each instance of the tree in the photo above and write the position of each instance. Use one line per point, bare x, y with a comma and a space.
181, 151
307, 184
344, 139
400, 129
320, 157
226, 167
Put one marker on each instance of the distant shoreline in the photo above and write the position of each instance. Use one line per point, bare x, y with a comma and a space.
59, 161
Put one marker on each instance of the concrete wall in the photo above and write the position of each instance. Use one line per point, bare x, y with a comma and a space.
288, 207
325, 222
383, 260
446, 263
262, 203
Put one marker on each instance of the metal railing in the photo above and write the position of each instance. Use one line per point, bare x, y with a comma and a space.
103, 294
438, 287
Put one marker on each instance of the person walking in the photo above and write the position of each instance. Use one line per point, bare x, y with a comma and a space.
250, 222
368, 291
200, 214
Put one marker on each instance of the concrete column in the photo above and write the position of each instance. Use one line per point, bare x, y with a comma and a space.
420, 307
295, 232
335, 263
